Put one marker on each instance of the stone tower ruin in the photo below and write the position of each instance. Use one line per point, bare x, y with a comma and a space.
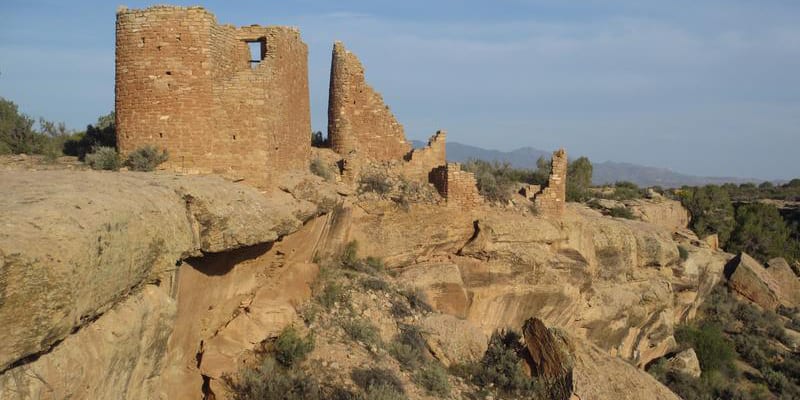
358, 119
193, 87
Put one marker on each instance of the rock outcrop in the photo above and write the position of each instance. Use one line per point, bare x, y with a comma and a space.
550, 359
619, 283
660, 211
748, 278
685, 362
94, 259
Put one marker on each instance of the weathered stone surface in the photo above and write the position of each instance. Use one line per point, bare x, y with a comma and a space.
119, 356
549, 358
442, 284
230, 302
617, 282
598, 375
453, 340
187, 84
73, 244
685, 362
749, 279
786, 279
660, 211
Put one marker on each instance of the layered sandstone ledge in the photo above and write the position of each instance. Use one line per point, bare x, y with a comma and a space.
75, 244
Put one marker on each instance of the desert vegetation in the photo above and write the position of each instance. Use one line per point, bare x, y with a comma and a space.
744, 353
756, 227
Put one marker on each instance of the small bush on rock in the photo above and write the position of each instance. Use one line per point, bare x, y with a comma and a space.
363, 332
146, 158
332, 293
434, 379
501, 365
621, 212
383, 380
290, 348
103, 158
319, 169
375, 182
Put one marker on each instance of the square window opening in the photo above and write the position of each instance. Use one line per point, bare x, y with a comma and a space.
258, 49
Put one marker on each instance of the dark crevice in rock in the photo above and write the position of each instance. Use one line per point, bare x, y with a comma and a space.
208, 394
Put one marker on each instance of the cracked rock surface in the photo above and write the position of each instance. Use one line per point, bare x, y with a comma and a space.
73, 244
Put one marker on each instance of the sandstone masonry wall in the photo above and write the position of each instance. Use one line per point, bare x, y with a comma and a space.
358, 119
420, 162
459, 187
186, 84
551, 201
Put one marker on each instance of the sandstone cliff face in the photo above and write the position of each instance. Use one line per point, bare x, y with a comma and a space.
155, 286
621, 284
94, 259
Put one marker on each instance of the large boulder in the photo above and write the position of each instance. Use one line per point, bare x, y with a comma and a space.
750, 279
787, 280
550, 359
685, 362
660, 211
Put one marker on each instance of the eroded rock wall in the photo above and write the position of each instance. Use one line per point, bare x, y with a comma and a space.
95, 260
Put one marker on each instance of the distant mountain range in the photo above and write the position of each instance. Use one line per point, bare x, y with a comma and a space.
604, 172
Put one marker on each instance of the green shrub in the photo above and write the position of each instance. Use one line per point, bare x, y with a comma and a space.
103, 158
375, 263
374, 182
290, 348
711, 210
714, 350
374, 378
319, 168
383, 392
409, 348
621, 212
501, 365
434, 379
331, 294
625, 190
401, 310
271, 381
146, 158
683, 253
362, 331
350, 254
761, 231
375, 284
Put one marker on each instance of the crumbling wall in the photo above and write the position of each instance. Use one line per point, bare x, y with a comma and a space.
420, 162
186, 84
551, 201
358, 119
459, 187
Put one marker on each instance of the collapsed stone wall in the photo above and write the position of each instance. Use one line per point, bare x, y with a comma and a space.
420, 162
188, 85
551, 201
459, 187
358, 119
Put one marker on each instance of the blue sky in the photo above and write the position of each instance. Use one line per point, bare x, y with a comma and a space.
702, 87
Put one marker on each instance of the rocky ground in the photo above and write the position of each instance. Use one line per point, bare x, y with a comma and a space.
153, 285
